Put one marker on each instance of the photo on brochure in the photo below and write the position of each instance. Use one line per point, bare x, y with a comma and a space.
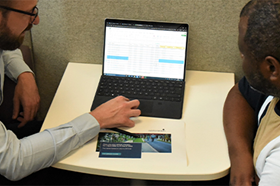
151, 142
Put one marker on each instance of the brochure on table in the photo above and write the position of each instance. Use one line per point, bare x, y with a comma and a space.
163, 143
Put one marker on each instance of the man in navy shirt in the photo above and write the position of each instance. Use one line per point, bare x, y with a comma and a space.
248, 107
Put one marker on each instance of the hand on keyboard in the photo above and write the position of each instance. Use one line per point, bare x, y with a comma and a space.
117, 113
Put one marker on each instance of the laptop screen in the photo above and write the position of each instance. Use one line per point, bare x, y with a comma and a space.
145, 49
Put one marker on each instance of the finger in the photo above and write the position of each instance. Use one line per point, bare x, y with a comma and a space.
27, 114
22, 122
122, 98
134, 104
135, 113
34, 112
27, 118
128, 123
16, 108
126, 99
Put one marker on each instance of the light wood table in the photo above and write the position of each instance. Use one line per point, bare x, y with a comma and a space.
205, 142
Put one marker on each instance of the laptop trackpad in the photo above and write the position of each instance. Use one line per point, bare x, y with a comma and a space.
146, 107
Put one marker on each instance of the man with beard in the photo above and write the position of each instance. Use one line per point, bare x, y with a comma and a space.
19, 158
26, 92
253, 104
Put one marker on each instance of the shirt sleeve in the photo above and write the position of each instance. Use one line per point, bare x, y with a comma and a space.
19, 158
254, 98
14, 64
268, 164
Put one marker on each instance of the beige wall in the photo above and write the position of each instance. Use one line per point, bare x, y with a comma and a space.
72, 30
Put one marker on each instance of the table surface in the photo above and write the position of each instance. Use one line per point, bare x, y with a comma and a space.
205, 142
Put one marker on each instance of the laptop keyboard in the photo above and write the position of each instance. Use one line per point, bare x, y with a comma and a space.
137, 88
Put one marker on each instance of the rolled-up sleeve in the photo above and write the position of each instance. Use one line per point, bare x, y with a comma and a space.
14, 64
19, 158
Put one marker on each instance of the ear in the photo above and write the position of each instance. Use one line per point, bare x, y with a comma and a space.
272, 68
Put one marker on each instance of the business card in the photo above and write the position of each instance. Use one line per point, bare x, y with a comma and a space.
120, 150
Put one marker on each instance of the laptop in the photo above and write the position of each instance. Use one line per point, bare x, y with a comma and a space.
145, 60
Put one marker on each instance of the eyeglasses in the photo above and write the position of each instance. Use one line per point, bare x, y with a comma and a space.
34, 13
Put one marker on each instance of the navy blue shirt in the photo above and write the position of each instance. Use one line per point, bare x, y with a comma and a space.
254, 98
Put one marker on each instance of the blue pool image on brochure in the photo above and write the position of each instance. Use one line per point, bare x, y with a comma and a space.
151, 142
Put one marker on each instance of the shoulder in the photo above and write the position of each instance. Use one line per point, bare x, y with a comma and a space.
254, 98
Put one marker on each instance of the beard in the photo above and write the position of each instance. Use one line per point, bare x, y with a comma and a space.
262, 85
8, 41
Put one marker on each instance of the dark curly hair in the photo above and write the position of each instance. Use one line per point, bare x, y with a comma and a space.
263, 32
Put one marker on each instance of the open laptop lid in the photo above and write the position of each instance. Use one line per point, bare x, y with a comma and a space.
143, 49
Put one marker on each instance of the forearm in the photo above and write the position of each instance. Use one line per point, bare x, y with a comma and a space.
26, 95
239, 125
80, 131
20, 158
